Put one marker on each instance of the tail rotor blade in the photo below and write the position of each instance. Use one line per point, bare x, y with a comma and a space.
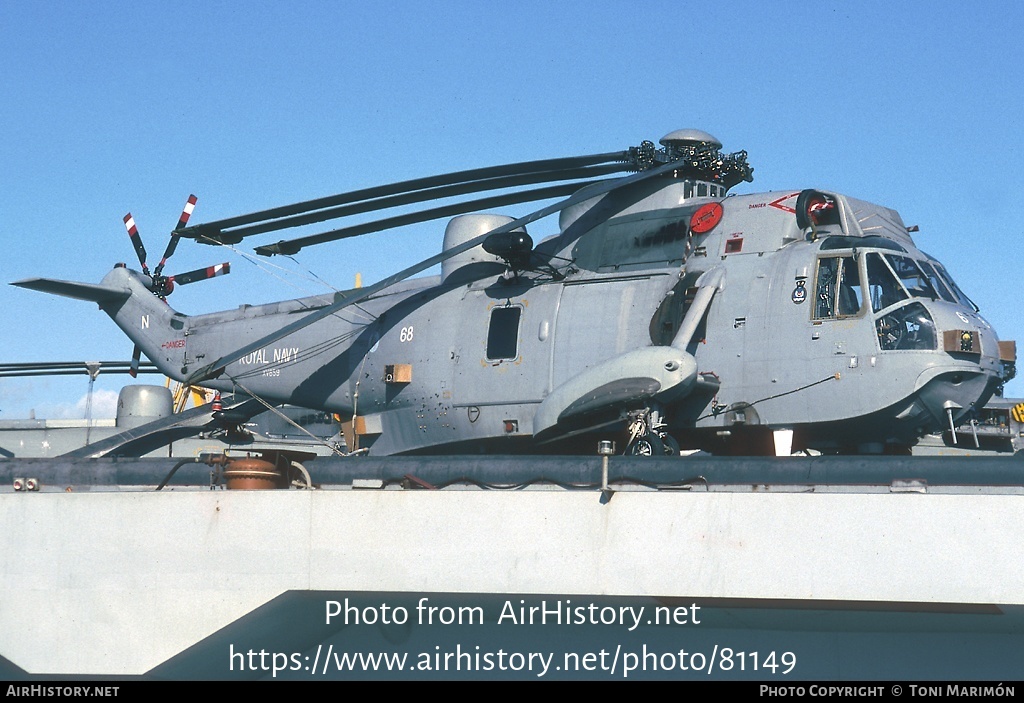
186, 213
201, 274
133, 234
133, 370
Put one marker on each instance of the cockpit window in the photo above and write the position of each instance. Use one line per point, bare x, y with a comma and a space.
906, 329
913, 278
869, 242
837, 289
893, 278
936, 281
883, 287
825, 288
961, 298
850, 294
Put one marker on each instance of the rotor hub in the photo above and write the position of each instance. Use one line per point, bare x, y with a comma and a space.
689, 137
704, 160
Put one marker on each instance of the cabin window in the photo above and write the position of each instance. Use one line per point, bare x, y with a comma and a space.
503, 333
838, 292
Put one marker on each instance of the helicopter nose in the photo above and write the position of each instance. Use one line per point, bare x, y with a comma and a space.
967, 369
950, 395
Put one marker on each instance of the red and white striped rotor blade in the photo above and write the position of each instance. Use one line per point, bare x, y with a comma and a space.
133, 234
186, 213
201, 274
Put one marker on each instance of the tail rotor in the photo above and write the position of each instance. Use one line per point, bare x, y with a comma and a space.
160, 285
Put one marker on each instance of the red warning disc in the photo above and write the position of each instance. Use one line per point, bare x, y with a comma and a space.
706, 218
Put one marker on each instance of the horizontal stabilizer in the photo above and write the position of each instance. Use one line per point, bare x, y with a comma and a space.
70, 289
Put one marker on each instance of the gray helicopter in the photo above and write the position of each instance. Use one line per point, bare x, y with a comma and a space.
664, 313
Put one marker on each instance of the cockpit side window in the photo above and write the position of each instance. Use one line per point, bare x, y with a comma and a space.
825, 288
851, 297
883, 287
837, 288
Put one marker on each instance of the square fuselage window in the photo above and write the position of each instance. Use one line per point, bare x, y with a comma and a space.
503, 333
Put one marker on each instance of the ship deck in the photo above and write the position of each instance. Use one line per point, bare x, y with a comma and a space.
861, 567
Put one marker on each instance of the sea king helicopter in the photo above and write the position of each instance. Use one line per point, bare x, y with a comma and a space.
663, 313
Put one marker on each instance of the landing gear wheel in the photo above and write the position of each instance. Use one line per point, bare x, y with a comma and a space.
647, 445
671, 445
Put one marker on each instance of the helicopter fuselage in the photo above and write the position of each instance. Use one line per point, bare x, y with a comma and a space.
844, 333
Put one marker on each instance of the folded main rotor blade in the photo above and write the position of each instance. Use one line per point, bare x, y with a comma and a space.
342, 301
292, 246
210, 230
68, 368
232, 236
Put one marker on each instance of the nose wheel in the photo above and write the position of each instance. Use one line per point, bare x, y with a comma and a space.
648, 436
647, 445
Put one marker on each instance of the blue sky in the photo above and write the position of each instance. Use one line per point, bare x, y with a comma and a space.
114, 106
